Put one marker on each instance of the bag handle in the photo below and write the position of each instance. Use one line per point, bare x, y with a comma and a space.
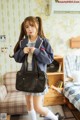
36, 68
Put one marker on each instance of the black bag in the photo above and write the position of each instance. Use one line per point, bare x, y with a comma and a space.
53, 67
31, 81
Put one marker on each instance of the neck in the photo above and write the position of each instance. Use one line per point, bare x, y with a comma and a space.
33, 38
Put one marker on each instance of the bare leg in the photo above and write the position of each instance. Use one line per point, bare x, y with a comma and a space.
38, 106
38, 102
29, 100
30, 108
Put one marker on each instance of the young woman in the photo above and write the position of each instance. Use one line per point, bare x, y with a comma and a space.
31, 33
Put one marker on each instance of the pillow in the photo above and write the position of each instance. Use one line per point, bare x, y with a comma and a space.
76, 77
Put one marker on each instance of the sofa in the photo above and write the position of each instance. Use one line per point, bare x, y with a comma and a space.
12, 101
72, 79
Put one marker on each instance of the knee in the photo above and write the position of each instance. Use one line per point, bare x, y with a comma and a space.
37, 109
29, 103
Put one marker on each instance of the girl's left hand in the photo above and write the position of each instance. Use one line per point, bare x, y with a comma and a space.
32, 49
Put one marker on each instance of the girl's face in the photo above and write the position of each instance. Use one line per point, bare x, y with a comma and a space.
31, 29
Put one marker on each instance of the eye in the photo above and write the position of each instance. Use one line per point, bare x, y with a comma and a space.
26, 26
32, 25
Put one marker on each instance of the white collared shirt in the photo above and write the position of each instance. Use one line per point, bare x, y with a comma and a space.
30, 55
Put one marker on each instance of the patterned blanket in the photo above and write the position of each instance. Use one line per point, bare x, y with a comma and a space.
72, 92
71, 89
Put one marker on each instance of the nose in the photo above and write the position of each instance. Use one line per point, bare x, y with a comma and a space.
29, 27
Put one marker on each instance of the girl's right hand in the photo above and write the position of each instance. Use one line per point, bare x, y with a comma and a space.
26, 50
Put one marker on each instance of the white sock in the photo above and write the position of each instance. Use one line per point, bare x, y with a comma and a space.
51, 116
32, 115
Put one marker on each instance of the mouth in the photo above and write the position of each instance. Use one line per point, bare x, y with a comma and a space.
30, 32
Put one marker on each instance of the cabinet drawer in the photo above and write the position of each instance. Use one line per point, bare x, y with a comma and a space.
53, 98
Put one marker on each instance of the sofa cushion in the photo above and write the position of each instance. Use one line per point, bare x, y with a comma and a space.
10, 81
14, 103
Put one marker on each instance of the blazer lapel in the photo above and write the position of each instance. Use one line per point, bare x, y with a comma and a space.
39, 42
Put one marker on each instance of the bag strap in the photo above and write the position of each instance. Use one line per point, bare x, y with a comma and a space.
38, 45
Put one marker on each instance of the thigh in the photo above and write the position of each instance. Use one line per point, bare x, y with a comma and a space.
38, 105
38, 100
29, 100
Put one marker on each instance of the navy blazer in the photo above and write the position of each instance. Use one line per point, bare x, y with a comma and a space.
44, 54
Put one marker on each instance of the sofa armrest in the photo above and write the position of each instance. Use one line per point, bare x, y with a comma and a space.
3, 92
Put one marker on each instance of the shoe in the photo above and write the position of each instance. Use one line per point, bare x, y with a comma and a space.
45, 118
59, 116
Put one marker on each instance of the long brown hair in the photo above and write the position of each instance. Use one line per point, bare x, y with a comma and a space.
34, 20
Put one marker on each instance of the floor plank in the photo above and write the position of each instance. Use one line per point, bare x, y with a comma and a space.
63, 110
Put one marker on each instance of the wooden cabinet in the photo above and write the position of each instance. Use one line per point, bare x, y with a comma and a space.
8, 117
53, 97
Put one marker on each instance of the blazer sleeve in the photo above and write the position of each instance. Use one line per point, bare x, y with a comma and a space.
19, 56
44, 54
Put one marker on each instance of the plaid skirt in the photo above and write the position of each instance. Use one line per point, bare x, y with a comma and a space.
37, 94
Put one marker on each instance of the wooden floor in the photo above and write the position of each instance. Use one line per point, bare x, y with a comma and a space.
68, 113
63, 110
76, 113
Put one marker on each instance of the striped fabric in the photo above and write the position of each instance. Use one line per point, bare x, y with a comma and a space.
71, 62
12, 101
72, 90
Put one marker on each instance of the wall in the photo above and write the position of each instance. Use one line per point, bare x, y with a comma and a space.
58, 28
